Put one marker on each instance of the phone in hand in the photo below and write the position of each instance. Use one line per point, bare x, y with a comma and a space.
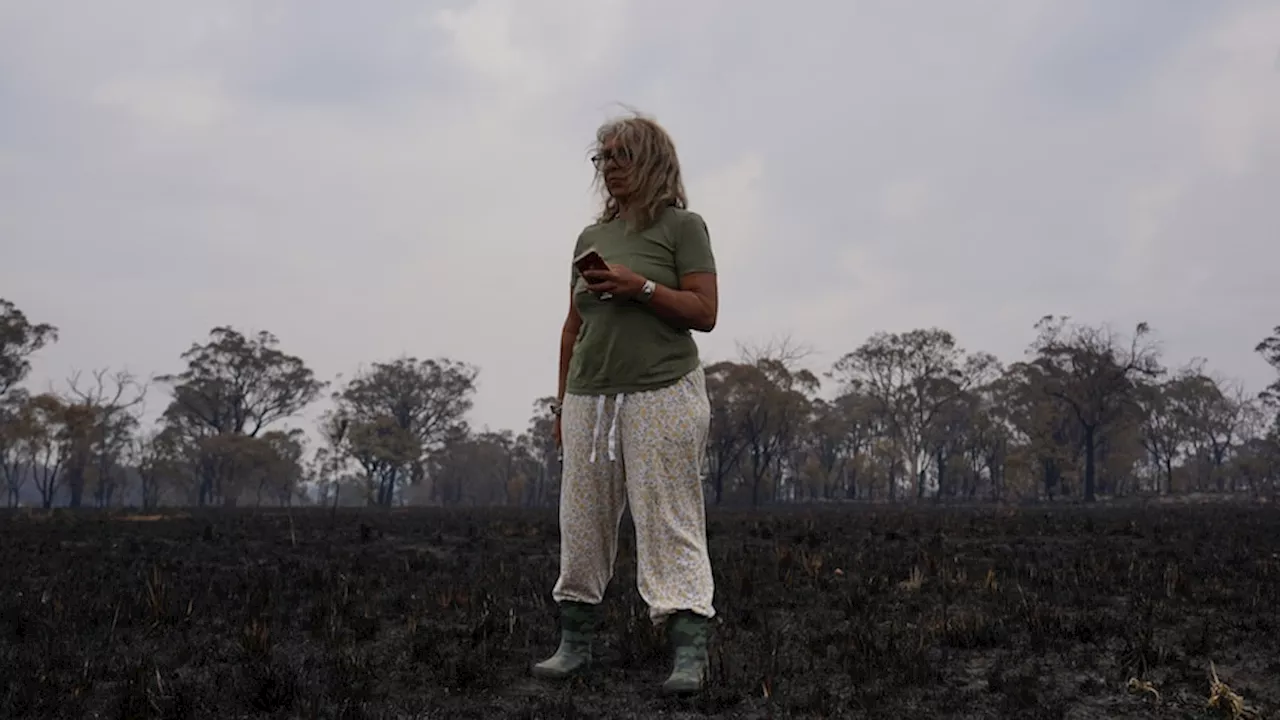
590, 260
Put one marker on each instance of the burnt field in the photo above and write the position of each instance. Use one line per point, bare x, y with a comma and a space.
860, 612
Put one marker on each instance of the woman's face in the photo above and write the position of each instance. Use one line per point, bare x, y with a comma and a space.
613, 162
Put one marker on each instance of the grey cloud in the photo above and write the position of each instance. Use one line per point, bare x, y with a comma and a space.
1098, 59
333, 175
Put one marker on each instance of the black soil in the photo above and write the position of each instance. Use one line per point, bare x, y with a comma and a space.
880, 613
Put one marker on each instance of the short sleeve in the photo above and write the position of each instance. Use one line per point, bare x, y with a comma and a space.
693, 247
573, 272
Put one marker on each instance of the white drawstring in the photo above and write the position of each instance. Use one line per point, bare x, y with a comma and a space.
595, 434
613, 429
612, 435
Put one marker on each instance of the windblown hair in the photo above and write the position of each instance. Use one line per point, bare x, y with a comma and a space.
653, 175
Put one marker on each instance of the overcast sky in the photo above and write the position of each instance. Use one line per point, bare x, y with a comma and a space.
367, 180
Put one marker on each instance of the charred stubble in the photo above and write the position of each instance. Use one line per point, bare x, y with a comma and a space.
823, 613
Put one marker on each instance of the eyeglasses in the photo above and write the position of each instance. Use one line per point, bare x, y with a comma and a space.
618, 156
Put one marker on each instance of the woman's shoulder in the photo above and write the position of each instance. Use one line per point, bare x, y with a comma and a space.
585, 235
683, 223
598, 226
680, 217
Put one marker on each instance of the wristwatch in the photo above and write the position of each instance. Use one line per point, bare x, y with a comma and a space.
646, 291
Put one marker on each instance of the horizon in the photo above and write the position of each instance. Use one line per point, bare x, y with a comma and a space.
828, 387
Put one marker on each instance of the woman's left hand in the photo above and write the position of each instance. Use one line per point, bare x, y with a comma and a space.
618, 280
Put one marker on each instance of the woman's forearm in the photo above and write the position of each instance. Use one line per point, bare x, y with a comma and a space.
685, 308
567, 340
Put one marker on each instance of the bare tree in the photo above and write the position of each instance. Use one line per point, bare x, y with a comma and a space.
771, 404
15, 434
1094, 373
234, 386
540, 444
47, 444
1269, 349
725, 438
110, 405
159, 463
331, 460
399, 412
913, 377
1165, 429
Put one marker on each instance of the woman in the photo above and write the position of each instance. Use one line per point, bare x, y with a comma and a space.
633, 413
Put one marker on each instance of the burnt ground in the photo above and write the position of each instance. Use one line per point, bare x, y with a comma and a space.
855, 612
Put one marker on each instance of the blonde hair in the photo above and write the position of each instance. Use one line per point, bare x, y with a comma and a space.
653, 175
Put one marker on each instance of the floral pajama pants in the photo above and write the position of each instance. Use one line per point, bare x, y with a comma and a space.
645, 449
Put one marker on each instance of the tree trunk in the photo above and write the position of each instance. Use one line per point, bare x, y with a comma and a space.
75, 486
942, 476
917, 474
1090, 467
995, 479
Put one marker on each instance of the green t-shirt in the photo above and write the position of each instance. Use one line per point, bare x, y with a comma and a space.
623, 346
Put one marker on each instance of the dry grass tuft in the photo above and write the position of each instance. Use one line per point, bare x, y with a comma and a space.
1223, 698
255, 638
915, 581
1142, 686
990, 583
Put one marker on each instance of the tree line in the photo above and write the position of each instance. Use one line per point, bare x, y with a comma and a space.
911, 416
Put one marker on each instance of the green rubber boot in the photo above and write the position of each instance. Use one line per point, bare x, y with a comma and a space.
688, 634
577, 630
